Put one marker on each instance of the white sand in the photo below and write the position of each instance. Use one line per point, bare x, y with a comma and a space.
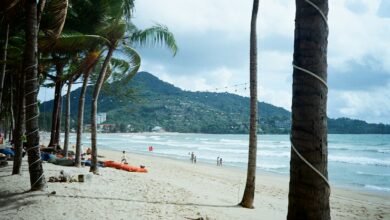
171, 190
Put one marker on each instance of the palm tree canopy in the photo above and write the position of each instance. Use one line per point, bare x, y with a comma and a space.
156, 35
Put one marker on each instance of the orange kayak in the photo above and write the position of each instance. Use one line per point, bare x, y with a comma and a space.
116, 165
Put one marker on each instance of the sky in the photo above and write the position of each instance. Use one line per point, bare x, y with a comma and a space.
213, 40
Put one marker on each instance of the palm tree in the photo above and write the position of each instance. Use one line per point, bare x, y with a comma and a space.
309, 189
115, 33
37, 179
67, 118
30, 64
249, 193
4, 61
20, 124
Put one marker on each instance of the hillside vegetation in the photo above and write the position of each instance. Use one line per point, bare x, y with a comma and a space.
146, 102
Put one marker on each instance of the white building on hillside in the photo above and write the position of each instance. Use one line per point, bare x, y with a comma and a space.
101, 117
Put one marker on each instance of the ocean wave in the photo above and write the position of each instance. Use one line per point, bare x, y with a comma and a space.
272, 166
240, 151
384, 151
371, 174
231, 141
273, 154
360, 160
379, 188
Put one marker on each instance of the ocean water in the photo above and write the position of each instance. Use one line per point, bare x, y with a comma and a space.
361, 161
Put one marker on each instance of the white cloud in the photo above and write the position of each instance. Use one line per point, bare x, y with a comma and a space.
356, 32
371, 106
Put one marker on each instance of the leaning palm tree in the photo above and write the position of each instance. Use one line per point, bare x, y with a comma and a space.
122, 34
249, 193
309, 189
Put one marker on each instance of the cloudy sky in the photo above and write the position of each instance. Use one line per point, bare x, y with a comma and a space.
213, 38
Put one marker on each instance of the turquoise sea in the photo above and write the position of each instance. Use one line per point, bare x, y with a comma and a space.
360, 161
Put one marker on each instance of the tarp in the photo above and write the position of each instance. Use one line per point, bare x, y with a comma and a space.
7, 151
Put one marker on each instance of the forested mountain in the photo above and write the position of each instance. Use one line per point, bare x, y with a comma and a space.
146, 102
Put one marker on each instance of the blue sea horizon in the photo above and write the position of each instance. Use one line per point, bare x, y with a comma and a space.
358, 161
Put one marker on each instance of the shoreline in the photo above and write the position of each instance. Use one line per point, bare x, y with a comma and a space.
259, 171
172, 189
334, 184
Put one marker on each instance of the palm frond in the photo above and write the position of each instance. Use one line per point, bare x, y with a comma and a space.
113, 30
157, 35
6, 5
71, 43
54, 17
128, 9
134, 59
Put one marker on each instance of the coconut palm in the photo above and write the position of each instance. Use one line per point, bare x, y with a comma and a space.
93, 58
4, 60
120, 30
309, 190
249, 193
37, 179
30, 64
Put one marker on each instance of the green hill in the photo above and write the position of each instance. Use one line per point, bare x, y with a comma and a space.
146, 102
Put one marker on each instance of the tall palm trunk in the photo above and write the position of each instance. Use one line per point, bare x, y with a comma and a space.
37, 178
95, 97
67, 119
308, 192
4, 65
249, 193
20, 125
56, 107
12, 119
80, 119
58, 126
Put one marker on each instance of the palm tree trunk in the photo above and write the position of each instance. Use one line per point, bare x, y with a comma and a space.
58, 127
67, 119
56, 107
95, 97
80, 119
37, 178
4, 65
308, 192
12, 124
20, 125
249, 193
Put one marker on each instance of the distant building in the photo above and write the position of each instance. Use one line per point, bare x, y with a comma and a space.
101, 117
157, 129
105, 127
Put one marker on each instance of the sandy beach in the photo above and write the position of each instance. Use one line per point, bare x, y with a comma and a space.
172, 189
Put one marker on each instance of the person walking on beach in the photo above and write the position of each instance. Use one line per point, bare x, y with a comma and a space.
218, 161
195, 159
192, 157
124, 158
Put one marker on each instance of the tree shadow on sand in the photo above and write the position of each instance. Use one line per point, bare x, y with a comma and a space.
14, 201
7, 171
149, 202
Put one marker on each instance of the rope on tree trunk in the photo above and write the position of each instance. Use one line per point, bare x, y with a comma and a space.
326, 85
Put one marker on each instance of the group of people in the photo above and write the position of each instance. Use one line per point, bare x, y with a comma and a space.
219, 161
193, 157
